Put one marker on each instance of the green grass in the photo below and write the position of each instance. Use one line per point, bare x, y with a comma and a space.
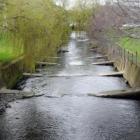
131, 44
8, 51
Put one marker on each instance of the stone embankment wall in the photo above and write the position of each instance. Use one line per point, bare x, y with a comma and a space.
11, 72
131, 71
128, 66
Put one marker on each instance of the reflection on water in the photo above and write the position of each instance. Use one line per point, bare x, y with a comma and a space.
74, 116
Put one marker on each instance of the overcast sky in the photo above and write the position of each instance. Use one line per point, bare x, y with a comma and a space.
71, 3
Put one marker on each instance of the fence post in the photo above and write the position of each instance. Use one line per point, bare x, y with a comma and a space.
132, 59
124, 54
121, 53
111, 51
136, 57
128, 55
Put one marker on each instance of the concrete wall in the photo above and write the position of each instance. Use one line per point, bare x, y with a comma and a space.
11, 72
131, 70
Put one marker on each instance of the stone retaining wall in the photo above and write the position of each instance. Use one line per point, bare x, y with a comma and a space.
131, 70
11, 72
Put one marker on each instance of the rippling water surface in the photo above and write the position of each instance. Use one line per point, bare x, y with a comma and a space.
66, 112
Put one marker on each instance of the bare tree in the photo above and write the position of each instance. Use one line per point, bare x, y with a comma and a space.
118, 18
130, 8
104, 19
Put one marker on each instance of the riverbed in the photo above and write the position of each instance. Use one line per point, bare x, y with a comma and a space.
66, 112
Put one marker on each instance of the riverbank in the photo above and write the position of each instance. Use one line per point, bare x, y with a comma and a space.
123, 62
128, 66
13, 72
10, 74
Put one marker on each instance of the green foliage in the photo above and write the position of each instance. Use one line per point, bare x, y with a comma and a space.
81, 14
40, 25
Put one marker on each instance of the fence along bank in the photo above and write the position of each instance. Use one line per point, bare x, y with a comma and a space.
127, 62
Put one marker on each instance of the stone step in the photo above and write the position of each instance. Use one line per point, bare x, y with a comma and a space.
46, 63
126, 93
19, 94
112, 74
68, 75
32, 75
104, 63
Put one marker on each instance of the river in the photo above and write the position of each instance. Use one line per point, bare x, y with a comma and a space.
66, 112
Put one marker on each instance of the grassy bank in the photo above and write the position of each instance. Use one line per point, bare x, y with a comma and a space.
131, 44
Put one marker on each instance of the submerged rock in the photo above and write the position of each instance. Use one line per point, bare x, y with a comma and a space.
62, 50
7, 96
30, 95
8, 106
3, 106
2, 109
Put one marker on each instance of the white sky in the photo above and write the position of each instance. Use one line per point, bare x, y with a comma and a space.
71, 3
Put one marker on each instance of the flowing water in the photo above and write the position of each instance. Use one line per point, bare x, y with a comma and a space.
66, 112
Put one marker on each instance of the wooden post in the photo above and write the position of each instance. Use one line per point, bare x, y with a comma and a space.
136, 57
128, 55
132, 59
124, 54
121, 52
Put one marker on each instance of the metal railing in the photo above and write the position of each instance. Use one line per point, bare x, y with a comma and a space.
117, 52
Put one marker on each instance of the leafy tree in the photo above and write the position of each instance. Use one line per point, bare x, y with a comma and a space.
81, 13
39, 27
